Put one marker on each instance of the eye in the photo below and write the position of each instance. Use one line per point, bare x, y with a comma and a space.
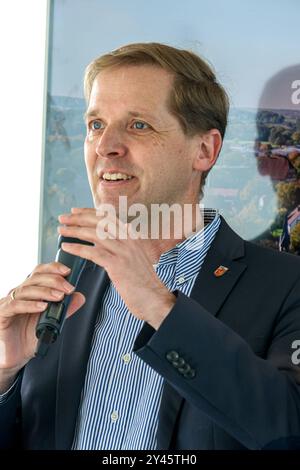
140, 125
95, 125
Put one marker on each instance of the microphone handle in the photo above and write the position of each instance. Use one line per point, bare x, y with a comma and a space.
52, 319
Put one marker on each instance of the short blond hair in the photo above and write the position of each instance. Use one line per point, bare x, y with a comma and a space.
197, 100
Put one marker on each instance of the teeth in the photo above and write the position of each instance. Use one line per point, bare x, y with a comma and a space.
115, 176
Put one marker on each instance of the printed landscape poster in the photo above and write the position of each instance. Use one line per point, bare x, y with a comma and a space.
254, 48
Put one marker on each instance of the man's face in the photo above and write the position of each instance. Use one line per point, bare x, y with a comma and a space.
130, 131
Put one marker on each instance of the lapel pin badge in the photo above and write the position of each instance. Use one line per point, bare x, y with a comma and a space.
220, 271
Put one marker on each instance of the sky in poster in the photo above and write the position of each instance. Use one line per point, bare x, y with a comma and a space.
247, 41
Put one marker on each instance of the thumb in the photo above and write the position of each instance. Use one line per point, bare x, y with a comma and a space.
77, 301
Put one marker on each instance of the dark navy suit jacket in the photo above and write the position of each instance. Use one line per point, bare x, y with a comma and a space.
225, 354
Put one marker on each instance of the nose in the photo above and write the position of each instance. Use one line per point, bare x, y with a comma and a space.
111, 143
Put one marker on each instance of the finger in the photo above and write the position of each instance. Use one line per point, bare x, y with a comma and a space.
78, 210
17, 307
77, 301
83, 219
55, 267
54, 281
39, 293
83, 233
91, 219
82, 216
96, 255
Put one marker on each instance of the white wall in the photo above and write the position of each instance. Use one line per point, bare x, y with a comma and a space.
22, 58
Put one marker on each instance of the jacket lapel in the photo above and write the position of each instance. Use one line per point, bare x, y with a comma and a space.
211, 292
74, 353
227, 250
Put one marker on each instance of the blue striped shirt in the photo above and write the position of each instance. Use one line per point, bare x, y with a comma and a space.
121, 395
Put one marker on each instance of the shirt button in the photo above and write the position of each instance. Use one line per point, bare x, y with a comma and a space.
114, 416
126, 358
181, 280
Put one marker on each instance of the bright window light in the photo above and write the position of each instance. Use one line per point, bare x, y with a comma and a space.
22, 52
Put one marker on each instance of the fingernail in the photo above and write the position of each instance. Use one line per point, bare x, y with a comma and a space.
57, 294
63, 216
68, 287
41, 305
67, 246
64, 269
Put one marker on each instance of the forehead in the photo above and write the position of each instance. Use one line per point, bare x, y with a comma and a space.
143, 84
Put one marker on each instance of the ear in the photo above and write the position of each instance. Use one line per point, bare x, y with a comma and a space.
207, 150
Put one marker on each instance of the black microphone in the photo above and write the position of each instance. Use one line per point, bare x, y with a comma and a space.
52, 319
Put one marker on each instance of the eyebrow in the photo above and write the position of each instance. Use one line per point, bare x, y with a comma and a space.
90, 113
94, 113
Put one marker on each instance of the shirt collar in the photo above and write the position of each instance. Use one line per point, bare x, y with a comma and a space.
187, 256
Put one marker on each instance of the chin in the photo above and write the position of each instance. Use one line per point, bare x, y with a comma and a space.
112, 201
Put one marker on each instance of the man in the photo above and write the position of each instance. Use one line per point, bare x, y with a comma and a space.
179, 343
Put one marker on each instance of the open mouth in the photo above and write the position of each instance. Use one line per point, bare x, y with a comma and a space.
115, 178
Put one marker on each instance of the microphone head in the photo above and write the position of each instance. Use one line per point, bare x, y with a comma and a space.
63, 239
67, 258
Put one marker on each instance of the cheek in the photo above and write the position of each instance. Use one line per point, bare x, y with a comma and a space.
88, 150
162, 159
90, 138
182, 157
89, 156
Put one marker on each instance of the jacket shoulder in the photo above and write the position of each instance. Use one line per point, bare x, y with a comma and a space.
269, 257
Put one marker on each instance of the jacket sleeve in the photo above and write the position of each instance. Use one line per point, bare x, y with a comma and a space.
10, 418
255, 400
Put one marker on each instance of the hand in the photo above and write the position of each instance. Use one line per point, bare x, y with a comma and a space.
126, 263
18, 317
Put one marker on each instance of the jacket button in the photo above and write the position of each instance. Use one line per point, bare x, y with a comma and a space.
186, 368
179, 363
172, 356
190, 374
